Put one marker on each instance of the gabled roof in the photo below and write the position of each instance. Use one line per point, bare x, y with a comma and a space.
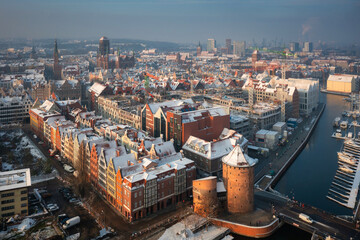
97, 88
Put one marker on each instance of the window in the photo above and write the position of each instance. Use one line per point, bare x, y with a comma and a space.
139, 194
135, 204
23, 191
23, 198
8, 214
7, 201
135, 195
24, 205
140, 203
7, 208
23, 211
7, 195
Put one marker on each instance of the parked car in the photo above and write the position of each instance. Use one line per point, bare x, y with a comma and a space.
74, 200
71, 222
52, 207
46, 195
69, 168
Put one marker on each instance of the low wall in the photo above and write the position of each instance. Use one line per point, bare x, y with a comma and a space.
248, 231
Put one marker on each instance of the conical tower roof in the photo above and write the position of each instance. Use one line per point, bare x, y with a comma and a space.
236, 158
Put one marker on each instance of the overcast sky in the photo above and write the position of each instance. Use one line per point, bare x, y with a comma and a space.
182, 21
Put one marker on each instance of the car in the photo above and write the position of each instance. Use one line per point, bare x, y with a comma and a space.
53, 208
46, 195
74, 200
69, 168
64, 189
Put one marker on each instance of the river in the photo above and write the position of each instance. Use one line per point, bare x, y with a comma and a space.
308, 179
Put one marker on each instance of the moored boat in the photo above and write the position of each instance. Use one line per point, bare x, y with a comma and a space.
337, 122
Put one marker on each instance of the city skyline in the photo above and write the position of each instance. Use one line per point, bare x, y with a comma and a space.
183, 21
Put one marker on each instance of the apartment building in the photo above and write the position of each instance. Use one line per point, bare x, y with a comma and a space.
14, 192
14, 109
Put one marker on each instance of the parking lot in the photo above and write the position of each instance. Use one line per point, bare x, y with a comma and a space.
54, 196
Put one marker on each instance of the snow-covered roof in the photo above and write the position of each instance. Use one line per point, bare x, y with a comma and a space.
155, 106
209, 150
15, 179
47, 105
97, 88
236, 158
195, 115
165, 148
188, 229
341, 78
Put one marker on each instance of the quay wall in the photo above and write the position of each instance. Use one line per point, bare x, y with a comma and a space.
248, 231
292, 158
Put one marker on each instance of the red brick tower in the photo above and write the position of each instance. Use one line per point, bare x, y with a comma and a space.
238, 176
205, 196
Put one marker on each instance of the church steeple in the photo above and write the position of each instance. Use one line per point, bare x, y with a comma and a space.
57, 67
56, 51
198, 49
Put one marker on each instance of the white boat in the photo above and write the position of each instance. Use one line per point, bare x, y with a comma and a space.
337, 121
346, 169
344, 124
338, 133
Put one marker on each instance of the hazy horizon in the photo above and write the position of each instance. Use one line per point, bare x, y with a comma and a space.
183, 21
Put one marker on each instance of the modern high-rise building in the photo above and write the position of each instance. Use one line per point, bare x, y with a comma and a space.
211, 45
104, 46
103, 53
57, 67
239, 48
228, 45
294, 47
308, 47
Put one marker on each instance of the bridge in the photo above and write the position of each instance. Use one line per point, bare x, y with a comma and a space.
324, 224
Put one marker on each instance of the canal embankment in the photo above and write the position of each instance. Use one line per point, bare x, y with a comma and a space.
286, 155
302, 144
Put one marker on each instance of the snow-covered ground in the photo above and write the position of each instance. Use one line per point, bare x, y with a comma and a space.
18, 229
21, 141
7, 166
27, 143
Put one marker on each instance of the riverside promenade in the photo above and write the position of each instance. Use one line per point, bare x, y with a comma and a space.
283, 157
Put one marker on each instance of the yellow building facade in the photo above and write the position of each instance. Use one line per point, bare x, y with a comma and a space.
14, 192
